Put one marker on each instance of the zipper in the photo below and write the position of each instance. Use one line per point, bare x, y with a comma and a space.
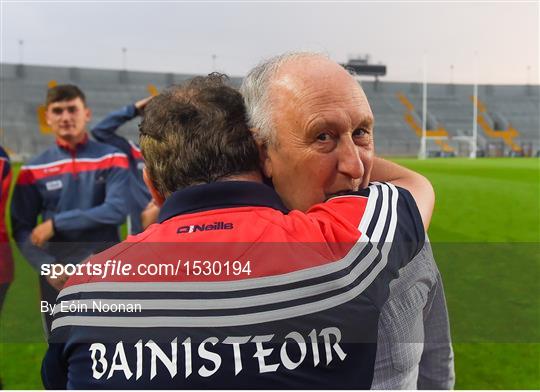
74, 163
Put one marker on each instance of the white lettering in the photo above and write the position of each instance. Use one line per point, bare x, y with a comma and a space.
325, 333
170, 364
139, 348
261, 353
46, 307
119, 353
205, 354
289, 355
94, 348
315, 347
187, 356
287, 362
236, 341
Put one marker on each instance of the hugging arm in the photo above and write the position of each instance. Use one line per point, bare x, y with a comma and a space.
418, 185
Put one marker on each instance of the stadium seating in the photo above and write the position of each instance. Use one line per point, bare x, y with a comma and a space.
23, 91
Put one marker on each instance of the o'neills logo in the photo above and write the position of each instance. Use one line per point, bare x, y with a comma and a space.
204, 227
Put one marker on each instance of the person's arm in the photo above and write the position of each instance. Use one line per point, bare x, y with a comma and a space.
54, 368
112, 211
105, 130
418, 185
25, 209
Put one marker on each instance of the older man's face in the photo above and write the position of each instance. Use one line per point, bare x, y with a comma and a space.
324, 129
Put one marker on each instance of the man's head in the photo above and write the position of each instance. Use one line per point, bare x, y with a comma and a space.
67, 113
197, 133
314, 126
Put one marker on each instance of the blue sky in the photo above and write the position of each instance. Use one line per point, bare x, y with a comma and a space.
182, 37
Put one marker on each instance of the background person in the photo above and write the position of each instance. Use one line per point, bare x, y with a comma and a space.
77, 186
6, 257
315, 130
304, 316
105, 132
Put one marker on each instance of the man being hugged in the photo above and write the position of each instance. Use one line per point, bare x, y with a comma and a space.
315, 130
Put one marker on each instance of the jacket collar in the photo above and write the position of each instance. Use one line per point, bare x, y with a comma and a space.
217, 195
63, 144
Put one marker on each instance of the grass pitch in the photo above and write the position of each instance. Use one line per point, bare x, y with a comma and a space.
486, 239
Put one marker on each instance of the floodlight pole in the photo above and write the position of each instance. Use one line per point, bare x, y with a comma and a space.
475, 110
124, 59
21, 51
422, 154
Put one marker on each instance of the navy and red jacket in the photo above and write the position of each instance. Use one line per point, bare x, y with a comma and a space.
83, 191
105, 132
299, 310
6, 258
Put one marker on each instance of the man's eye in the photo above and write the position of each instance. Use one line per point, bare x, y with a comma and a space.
360, 132
72, 109
57, 111
323, 137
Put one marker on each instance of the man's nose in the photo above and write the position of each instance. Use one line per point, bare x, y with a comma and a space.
349, 162
65, 115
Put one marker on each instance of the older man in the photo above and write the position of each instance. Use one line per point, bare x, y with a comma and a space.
314, 126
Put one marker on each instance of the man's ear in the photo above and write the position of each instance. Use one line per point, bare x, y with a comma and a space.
88, 114
47, 116
158, 198
264, 159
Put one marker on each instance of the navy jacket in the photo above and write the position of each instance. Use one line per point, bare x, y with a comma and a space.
82, 190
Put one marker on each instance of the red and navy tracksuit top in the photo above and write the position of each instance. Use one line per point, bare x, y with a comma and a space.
304, 314
83, 190
105, 132
6, 258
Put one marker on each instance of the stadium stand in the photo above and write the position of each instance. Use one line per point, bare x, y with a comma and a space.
23, 91
497, 127
434, 128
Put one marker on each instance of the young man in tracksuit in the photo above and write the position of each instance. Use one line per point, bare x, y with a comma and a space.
105, 132
77, 186
6, 258
257, 296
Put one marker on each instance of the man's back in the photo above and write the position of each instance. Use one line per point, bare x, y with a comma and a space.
286, 300
414, 346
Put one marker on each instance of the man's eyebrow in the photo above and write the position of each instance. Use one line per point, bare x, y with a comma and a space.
367, 122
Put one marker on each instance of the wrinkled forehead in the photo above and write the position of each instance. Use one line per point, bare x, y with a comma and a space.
303, 89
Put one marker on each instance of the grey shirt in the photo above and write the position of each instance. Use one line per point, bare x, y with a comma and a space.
414, 349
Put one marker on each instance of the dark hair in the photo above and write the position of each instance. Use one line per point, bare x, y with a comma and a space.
64, 92
196, 133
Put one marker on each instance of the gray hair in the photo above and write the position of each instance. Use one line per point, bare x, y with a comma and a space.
255, 88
